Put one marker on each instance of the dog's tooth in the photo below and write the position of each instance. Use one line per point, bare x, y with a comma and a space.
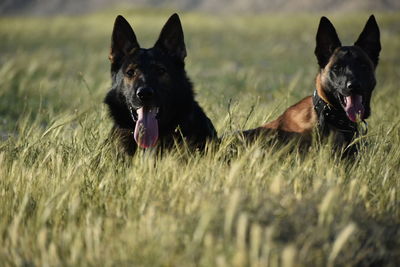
154, 110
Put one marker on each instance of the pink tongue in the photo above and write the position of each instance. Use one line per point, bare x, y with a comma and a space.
354, 107
146, 130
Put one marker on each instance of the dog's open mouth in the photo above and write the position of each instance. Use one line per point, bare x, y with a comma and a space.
353, 106
146, 129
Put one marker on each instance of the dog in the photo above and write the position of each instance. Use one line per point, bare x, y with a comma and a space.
151, 100
344, 85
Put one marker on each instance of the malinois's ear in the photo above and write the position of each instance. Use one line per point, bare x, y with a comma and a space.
123, 40
171, 38
369, 40
327, 41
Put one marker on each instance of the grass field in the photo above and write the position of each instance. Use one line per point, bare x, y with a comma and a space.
67, 199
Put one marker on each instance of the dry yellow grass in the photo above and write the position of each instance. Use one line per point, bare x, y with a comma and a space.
68, 199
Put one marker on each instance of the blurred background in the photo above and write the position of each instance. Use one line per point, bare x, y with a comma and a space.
53, 7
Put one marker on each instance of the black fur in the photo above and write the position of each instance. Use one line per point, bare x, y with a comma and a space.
160, 73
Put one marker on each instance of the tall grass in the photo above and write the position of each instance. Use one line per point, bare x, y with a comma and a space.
67, 197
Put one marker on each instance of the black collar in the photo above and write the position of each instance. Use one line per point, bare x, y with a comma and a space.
331, 118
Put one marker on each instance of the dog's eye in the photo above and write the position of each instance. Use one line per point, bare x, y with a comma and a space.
336, 68
130, 73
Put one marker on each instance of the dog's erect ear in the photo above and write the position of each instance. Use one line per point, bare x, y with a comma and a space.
369, 40
171, 38
123, 39
327, 41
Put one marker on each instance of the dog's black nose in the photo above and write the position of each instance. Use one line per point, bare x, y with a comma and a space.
353, 85
144, 93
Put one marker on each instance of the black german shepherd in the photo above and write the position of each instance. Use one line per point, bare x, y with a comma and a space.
151, 100
344, 84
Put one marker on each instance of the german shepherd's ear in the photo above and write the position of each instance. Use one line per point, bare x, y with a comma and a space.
327, 41
171, 38
369, 40
123, 40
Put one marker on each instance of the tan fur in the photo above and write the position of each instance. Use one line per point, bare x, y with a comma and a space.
299, 118
318, 83
111, 56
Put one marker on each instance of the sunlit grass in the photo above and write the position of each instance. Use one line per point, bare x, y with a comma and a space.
69, 198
